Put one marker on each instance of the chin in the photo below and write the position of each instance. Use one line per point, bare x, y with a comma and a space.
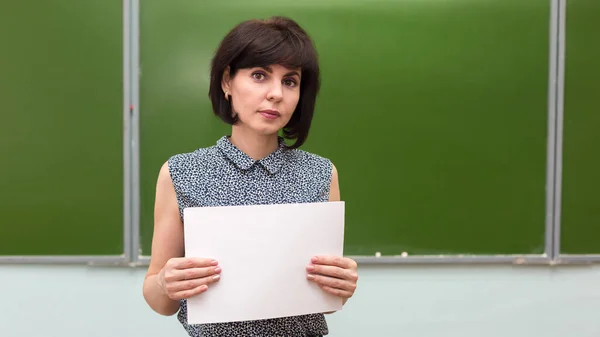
264, 128
266, 131
267, 128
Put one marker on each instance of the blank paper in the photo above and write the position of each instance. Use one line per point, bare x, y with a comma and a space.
263, 251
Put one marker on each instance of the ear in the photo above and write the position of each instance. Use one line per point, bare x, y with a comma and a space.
226, 81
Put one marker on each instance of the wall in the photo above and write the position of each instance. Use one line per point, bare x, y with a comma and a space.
416, 301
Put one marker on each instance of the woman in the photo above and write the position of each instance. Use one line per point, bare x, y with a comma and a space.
264, 79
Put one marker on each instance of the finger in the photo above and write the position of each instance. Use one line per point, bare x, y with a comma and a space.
334, 261
337, 292
189, 293
191, 273
334, 283
187, 285
195, 273
195, 262
332, 271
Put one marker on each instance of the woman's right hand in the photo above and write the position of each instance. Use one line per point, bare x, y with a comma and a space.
186, 277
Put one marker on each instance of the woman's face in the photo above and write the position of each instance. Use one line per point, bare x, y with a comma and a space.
264, 99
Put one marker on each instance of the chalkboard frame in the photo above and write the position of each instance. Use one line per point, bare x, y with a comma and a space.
559, 30
549, 252
551, 255
131, 183
126, 257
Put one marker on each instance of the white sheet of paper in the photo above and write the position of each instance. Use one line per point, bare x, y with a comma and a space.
263, 251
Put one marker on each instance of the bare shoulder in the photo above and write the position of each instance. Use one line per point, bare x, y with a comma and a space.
334, 188
164, 175
334, 174
165, 192
334, 171
167, 239
165, 203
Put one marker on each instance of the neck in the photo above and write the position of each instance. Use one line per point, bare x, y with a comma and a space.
254, 145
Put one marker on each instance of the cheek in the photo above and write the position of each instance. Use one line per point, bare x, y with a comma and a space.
246, 101
291, 102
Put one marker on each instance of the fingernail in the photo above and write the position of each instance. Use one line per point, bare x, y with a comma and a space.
218, 270
203, 287
214, 262
216, 277
310, 277
315, 259
310, 267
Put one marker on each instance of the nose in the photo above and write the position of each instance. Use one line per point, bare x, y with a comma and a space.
275, 92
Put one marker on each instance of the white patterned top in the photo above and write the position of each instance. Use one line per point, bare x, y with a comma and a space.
223, 175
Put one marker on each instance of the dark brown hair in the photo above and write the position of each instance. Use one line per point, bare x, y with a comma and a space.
260, 43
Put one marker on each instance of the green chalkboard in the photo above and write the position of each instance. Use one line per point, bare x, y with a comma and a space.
61, 94
434, 113
581, 154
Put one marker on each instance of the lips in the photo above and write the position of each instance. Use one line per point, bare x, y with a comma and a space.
269, 114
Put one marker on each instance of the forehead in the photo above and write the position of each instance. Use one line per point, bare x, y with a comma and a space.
278, 68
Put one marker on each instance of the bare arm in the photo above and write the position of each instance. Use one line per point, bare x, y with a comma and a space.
337, 275
334, 195
167, 243
334, 188
172, 277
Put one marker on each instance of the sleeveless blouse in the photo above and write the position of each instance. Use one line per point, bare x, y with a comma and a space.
223, 175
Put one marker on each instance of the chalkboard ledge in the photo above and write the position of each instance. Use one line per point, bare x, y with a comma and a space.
100, 260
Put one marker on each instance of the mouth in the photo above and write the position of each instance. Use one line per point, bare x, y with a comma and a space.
269, 114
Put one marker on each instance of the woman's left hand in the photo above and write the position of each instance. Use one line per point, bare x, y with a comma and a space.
334, 274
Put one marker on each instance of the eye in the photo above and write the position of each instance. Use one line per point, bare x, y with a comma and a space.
290, 82
259, 76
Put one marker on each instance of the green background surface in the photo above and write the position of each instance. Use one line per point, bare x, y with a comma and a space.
61, 98
434, 113
580, 227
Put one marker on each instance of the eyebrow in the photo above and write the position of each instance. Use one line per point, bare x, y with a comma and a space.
291, 73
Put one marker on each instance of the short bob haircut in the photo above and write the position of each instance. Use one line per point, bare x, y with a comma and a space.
260, 43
